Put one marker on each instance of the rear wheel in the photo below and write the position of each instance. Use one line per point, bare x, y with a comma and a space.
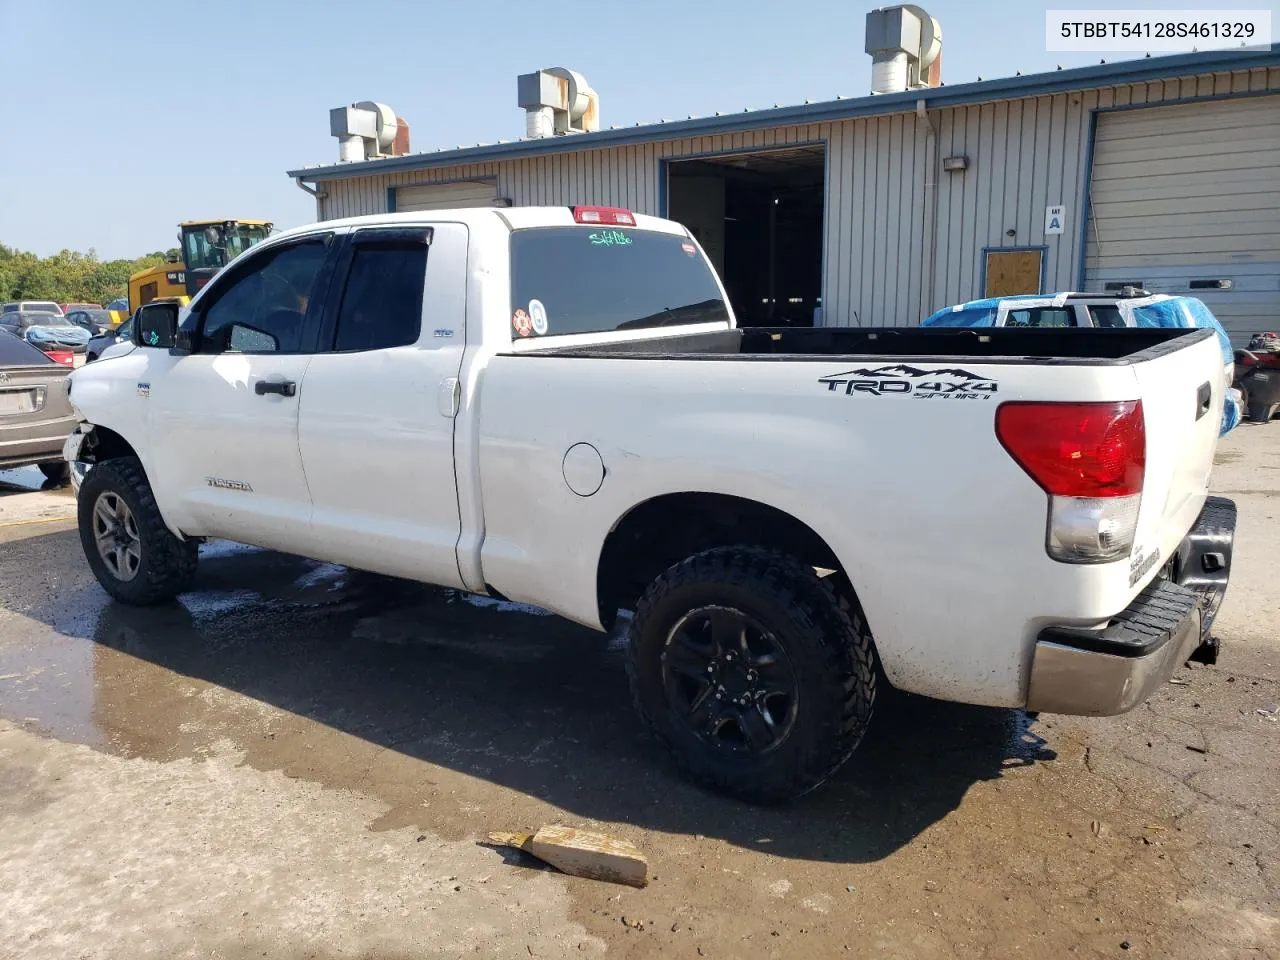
132, 553
58, 470
751, 671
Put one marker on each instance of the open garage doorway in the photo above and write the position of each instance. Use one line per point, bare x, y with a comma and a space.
759, 216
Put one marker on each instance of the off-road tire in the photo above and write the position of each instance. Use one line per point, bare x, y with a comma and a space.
168, 564
825, 638
57, 470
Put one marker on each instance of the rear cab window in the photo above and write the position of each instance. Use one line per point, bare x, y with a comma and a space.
597, 279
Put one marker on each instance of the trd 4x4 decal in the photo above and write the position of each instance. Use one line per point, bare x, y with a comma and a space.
942, 383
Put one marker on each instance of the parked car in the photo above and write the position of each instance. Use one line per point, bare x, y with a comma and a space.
1131, 308
97, 320
118, 310
99, 344
67, 308
787, 511
31, 306
51, 333
35, 414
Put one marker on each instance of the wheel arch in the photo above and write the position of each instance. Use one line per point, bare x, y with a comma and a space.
102, 444
105, 443
661, 531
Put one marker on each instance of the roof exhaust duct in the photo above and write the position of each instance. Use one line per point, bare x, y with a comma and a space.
368, 131
557, 101
905, 45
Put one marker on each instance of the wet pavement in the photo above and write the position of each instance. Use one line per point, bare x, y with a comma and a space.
297, 760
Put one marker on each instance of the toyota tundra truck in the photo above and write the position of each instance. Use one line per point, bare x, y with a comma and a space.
555, 406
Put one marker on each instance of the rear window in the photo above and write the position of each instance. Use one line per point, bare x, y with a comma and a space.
1041, 317
568, 280
15, 352
1106, 316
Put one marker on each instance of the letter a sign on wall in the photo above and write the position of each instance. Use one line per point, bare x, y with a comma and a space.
1054, 219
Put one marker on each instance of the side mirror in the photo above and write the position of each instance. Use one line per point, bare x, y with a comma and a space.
156, 325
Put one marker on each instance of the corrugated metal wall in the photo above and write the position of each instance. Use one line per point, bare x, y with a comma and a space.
881, 266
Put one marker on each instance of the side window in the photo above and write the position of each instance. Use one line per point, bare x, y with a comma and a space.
382, 301
1106, 316
1041, 317
264, 310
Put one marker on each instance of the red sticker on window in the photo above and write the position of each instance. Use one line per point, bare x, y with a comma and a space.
521, 323
689, 248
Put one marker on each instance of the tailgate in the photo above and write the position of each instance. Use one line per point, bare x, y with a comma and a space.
1182, 392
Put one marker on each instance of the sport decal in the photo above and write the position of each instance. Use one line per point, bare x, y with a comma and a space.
943, 383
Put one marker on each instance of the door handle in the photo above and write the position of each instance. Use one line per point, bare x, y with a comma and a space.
1203, 396
286, 388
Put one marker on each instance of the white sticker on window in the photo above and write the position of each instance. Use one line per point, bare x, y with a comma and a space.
538, 317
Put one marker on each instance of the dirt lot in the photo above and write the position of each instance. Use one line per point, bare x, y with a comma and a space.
298, 760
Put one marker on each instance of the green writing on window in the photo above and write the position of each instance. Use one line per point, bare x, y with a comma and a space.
610, 238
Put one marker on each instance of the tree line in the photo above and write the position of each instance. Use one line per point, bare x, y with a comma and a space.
69, 276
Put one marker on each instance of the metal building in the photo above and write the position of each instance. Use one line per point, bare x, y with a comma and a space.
878, 210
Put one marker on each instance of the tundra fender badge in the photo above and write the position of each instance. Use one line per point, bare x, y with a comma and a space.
944, 383
221, 484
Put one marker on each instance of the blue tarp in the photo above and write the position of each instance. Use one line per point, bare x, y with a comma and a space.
1184, 313
975, 313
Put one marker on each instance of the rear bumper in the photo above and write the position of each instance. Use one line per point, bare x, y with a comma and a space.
18, 448
1104, 672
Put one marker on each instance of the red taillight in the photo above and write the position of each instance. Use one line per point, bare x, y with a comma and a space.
67, 357
1077, 449
614, 216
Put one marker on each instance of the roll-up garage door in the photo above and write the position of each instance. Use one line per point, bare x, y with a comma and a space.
1186, 199
445, 196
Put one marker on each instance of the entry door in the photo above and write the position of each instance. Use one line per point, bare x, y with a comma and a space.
225, 417
376, 427
1011, 272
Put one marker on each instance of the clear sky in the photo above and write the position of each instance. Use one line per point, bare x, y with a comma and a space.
119, 118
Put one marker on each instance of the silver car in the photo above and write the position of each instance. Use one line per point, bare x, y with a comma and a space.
35, 411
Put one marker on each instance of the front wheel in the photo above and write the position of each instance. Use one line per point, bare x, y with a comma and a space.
757, 678
132, 553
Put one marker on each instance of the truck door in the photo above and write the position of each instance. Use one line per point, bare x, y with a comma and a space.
377, 410
225, 416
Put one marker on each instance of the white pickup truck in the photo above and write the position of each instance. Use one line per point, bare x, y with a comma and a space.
555, 406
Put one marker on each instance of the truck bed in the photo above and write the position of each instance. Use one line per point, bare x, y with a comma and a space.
1060, 346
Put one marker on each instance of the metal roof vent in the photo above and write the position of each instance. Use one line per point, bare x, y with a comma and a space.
557, 101
368, 131
905, 44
